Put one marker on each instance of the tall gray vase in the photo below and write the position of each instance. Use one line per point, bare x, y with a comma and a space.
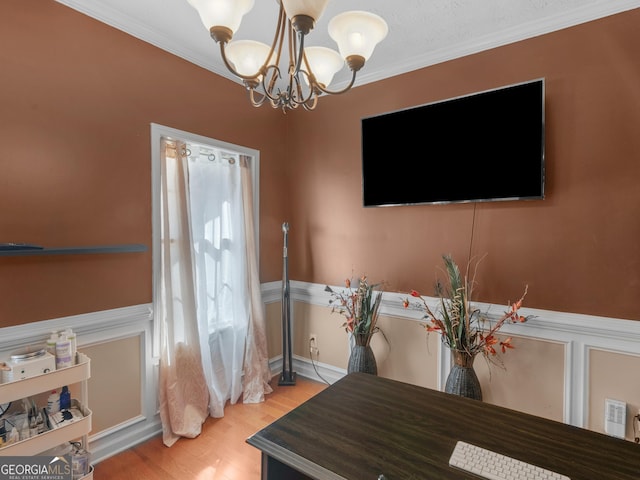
362, 359
462, 379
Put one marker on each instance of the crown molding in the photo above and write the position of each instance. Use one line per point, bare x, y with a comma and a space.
579, 15
500, 38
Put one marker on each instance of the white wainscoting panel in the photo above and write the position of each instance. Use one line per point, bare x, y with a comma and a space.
577, 332
98, 328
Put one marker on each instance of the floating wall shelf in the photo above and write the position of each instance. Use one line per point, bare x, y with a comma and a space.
126, 248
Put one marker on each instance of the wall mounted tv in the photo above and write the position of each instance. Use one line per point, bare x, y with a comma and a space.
487, 146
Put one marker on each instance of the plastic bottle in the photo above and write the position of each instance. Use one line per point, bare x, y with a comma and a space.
72, 338
33, 425
40, 422
51, 343
63, 352
53, 402
65, 398
80, 460
14, 436
24, 430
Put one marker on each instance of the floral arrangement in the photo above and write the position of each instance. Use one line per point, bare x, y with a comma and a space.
462, 327
359, 307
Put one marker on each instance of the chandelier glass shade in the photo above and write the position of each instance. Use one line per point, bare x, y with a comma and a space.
309, 70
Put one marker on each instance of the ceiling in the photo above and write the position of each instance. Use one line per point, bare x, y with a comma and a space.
421, 32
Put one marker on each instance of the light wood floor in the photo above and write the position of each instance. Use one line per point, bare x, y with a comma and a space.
219, 453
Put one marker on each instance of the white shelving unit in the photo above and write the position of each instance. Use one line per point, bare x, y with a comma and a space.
78, 373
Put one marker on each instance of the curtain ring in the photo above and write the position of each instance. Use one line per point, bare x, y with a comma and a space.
232, 161
212, 157
185, 152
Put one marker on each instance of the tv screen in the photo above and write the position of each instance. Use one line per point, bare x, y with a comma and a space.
487, 146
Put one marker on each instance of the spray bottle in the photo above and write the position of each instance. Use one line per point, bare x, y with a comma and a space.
80, 460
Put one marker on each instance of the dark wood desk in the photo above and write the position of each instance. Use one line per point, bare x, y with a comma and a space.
363, 426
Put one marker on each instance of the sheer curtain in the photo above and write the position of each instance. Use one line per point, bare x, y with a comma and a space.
257, 373
184, 397
217, 225
221, 304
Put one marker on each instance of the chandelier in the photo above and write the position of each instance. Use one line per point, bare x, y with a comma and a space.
309, 69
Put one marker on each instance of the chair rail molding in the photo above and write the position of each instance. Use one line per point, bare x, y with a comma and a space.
88, 327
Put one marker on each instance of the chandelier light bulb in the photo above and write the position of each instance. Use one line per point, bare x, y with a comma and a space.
357, 33
356, 40
222, 13
247, 56
324, 63
309, 8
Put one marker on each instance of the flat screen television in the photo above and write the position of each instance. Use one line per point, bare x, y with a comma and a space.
487, 146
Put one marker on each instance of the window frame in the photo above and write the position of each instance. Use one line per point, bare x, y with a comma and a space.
159, 132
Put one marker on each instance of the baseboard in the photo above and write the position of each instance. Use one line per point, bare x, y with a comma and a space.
117, 440
311, 370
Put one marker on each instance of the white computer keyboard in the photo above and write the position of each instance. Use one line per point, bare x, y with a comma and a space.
494, 466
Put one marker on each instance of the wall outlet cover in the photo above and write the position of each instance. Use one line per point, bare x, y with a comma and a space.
615, 417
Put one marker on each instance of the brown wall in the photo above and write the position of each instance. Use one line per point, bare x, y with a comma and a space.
77, 99
577, 249
78, 96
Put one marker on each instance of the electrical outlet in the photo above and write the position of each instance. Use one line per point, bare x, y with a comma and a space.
313, 344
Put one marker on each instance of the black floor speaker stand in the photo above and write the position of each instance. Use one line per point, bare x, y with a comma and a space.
288, 376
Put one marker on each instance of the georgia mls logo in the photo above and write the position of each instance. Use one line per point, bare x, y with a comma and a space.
35, 468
